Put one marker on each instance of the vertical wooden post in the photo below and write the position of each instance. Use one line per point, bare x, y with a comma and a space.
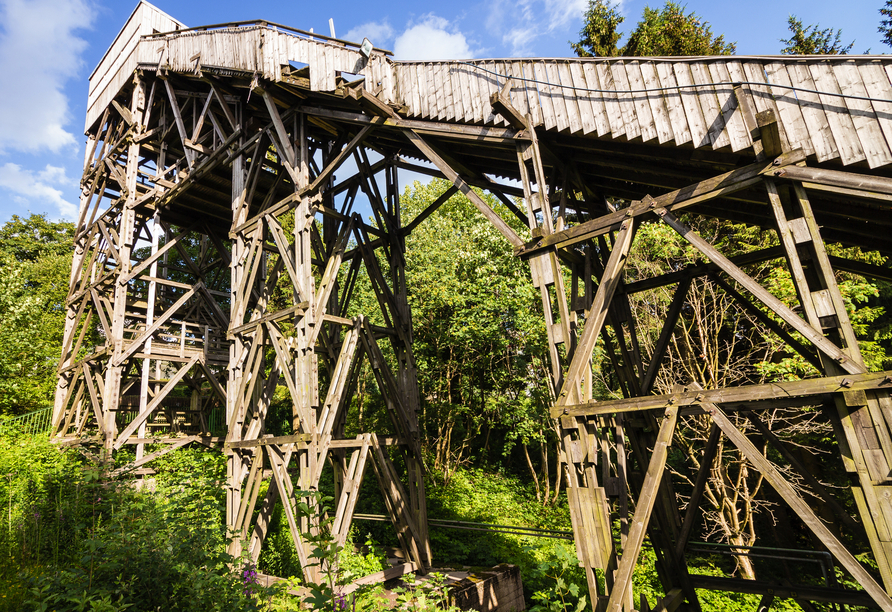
126, 229
867, 445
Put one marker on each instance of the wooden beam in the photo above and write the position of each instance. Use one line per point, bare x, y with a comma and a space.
835, 178
715, 187
147, 458
275, 316
799, 591
743, 393
818, 489
782, 310
597, 313
156, 401
643, 509
772, 146
464, 187
801, 508
504, 108
770, 323
653, 368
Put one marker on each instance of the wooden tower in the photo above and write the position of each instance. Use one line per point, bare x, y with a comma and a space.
224, 163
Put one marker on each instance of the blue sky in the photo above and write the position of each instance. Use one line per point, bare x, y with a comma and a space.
49, 47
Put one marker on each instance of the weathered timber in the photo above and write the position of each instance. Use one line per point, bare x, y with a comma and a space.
743, 393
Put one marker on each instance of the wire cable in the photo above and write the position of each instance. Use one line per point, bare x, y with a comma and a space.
677, 87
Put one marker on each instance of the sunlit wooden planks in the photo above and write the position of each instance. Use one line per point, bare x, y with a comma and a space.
661, 100
830, 107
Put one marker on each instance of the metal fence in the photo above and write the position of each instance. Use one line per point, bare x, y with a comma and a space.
31, 424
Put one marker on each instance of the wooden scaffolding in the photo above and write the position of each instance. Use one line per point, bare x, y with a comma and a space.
210, 181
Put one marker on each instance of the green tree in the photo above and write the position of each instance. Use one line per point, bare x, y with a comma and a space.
478, 333
666, 31
35, 261
811, 40
886, 24
671, 31
599, 35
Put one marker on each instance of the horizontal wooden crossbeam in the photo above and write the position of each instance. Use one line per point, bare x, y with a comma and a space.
745, 393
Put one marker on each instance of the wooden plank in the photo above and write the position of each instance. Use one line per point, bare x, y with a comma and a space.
689, 99
870, 134
627, 106
838, 117
800, 507
735, 126
438, 103
583, 99
641, 101
492, 86
411, 72
452, 101
876, 82
425, 84
816, 123
592, 81
611, 101
678, 121
549, 116
657, 101
477, 93
518, 91
709, 102
643, 509
570, 96
558, 96
783, 102
729, 395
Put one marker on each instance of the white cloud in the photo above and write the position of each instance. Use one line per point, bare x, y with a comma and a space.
379, 32
39, 188
520, 22
432, 38
39, 51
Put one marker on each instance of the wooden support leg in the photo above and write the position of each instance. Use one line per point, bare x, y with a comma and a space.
867, 443
643, 509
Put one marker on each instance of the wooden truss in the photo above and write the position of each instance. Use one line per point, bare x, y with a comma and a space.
205, 193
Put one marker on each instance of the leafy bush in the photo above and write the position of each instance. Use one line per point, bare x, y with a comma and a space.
77, 542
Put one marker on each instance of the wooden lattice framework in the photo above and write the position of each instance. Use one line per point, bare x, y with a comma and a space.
211, 149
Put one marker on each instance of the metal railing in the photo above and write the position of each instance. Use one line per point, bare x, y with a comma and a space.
30, 424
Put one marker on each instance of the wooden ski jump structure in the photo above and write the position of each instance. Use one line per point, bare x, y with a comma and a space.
210, 180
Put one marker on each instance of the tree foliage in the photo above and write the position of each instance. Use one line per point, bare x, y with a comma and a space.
812, 40
35, 261
661, 32
886, 24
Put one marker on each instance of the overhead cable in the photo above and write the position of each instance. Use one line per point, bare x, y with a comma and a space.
677, 87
